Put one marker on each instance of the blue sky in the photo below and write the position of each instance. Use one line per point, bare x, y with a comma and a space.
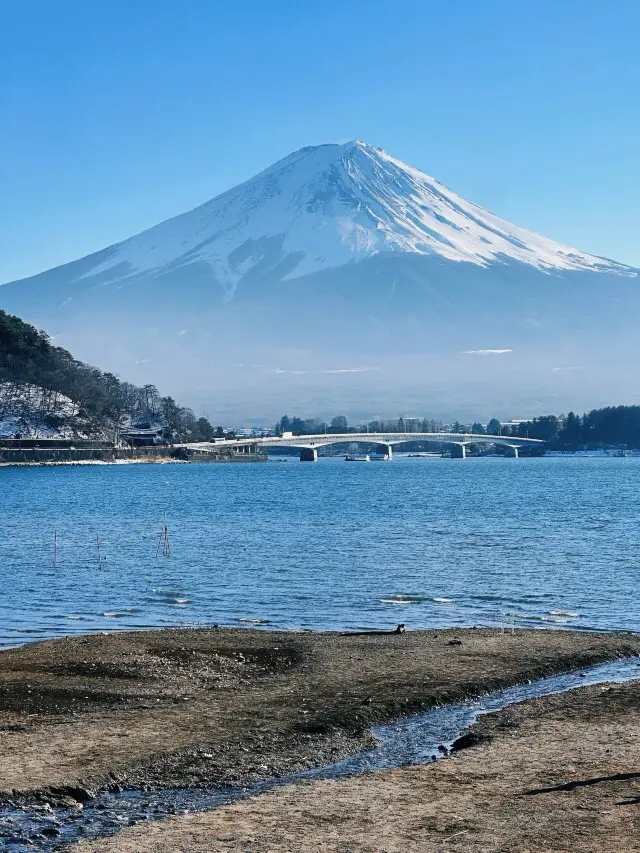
116, 115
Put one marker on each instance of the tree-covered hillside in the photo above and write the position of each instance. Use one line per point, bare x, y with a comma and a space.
614, 426
43, 387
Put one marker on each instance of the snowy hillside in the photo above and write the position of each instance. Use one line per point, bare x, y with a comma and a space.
28, 411
326, 206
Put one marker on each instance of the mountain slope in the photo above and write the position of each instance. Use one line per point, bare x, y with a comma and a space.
337, 260
327, 206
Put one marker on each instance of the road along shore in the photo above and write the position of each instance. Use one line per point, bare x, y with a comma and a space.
560, 773
185, 707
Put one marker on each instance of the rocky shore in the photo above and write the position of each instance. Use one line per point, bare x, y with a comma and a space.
195, 707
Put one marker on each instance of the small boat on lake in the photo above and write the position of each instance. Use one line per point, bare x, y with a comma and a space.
364, 458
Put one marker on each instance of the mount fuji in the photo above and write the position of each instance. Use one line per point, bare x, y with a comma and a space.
343, 279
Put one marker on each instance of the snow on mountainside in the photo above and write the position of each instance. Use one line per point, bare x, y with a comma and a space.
340, 279
325, 206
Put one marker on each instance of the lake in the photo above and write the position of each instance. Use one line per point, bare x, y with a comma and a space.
546, 542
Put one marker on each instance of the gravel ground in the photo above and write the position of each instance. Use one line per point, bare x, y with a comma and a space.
557, 774
206, 706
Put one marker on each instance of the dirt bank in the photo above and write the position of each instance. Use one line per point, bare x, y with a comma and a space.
184, 707
558, 774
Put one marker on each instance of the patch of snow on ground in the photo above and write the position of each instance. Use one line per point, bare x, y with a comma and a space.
29, 411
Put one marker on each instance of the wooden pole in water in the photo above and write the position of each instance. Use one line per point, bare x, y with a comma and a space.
163, 538
160, 537
166, 550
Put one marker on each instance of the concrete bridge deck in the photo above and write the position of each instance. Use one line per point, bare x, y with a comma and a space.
386, 441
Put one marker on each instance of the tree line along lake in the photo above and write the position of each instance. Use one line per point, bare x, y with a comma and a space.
536, 542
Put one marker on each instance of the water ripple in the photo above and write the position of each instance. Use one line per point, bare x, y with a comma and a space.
321, 547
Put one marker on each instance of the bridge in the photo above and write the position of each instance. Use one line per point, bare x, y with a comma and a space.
308, 444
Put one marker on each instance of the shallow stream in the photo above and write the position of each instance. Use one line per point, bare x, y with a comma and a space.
417, 739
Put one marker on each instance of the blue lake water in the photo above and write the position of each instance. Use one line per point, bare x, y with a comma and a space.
429, 542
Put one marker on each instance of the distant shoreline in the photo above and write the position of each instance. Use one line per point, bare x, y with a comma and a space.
134, 460
76, 462
169, 460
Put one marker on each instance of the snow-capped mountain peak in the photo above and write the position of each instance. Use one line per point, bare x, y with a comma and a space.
341, 279
328, 205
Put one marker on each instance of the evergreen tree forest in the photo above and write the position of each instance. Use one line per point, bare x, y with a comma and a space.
48, 386
611, 427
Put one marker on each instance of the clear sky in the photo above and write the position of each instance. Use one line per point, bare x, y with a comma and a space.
116, 114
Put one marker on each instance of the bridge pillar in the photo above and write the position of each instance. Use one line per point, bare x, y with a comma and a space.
510, 450
458, 451
385, 449
308, 454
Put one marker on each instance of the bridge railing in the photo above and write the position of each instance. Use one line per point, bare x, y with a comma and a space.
322, 439
388, 438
